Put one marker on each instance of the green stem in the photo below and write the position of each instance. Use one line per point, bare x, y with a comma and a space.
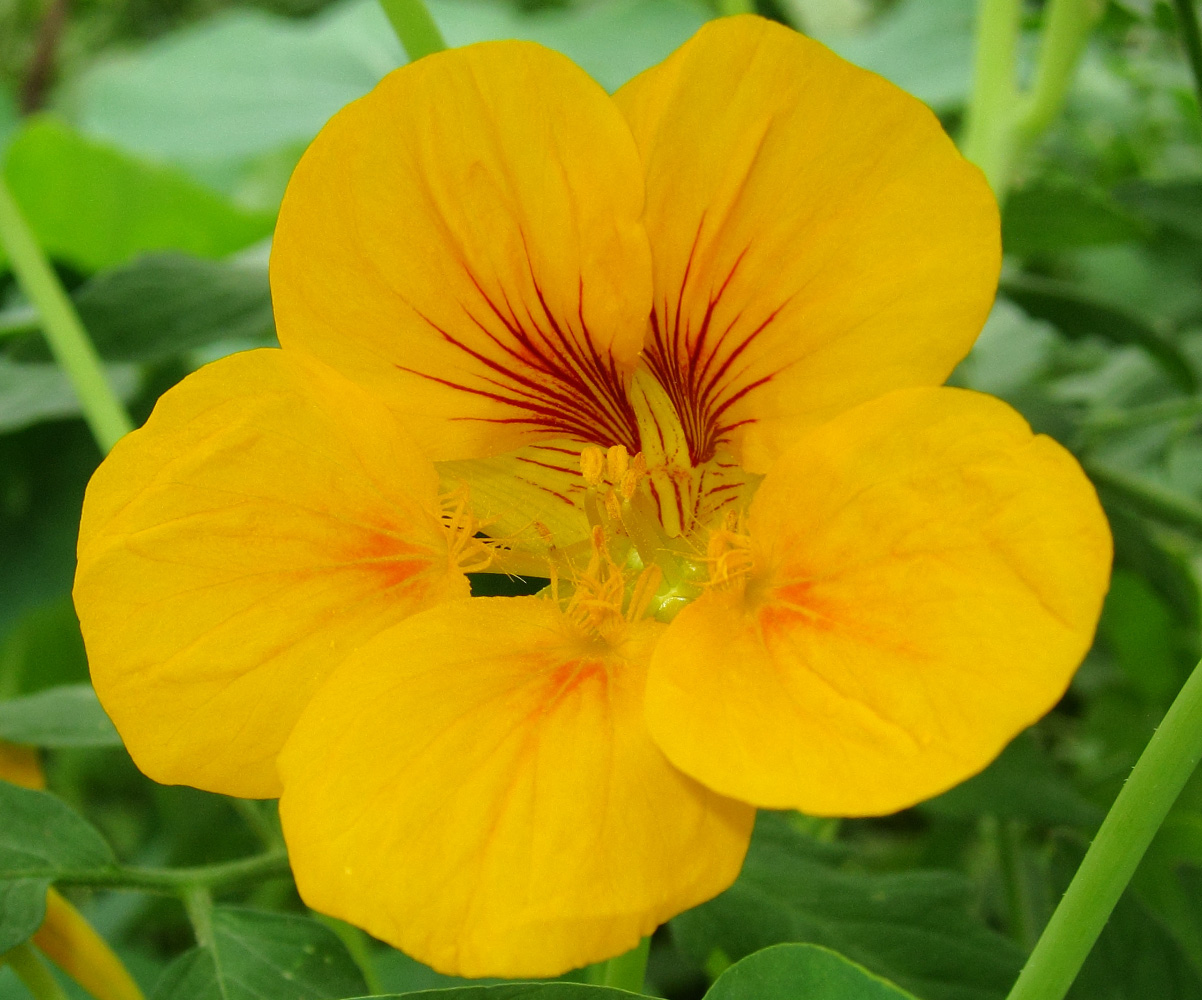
414, 26
991, 107
1137, 813
626, 972
1187, 18
729, 8
1184, 411
64, 332
358, 944
1067, 26
225, 875
1152, 499
34, 973
198, 901
1002, 122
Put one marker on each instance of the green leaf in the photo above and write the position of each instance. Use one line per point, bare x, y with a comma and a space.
163, 305
923, 46
31, 392
68, 716
263, 956
94, 207
1176, 205
43, 472
255, 84
1136, 957
1138, 628
1047, 218
1163, 562
914, 928
612, 41
1078, 313
43, 650
39, 837
790, 971
1023, 783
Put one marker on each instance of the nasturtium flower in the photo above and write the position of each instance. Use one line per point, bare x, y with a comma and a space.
678, 351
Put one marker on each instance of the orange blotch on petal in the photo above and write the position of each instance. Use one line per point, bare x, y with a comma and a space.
926, 577
478, 788
268, 519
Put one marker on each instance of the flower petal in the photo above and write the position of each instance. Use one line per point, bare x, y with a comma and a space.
817, 239
466, 240
477, 787
269, 518
928, 575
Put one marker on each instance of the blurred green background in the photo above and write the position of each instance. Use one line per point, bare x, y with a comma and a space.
149, 142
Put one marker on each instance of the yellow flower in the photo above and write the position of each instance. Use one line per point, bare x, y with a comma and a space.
677, 351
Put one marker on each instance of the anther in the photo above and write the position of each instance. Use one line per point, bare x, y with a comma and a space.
592, 464
617, 461
630, 483
613, 506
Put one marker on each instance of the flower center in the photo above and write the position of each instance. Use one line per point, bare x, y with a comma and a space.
661, 530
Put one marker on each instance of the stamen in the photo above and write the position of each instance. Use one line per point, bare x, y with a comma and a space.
617, 461
729, 553
592, 464
466, 552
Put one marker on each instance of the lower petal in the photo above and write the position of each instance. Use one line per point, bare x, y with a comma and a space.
927, 576
269, 518
478, 788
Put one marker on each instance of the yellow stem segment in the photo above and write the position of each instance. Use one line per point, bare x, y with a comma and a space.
69, 941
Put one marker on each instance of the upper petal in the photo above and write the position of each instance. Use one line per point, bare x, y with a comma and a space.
817, 239
466, 240
927, 577
269, 518
477, 787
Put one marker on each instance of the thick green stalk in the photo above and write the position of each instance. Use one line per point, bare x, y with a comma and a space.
1067, 27
64, 332
33, 972
728, 8
414, 26
1002, 121
989, 120
1187, 19
1137, 813
626, 972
